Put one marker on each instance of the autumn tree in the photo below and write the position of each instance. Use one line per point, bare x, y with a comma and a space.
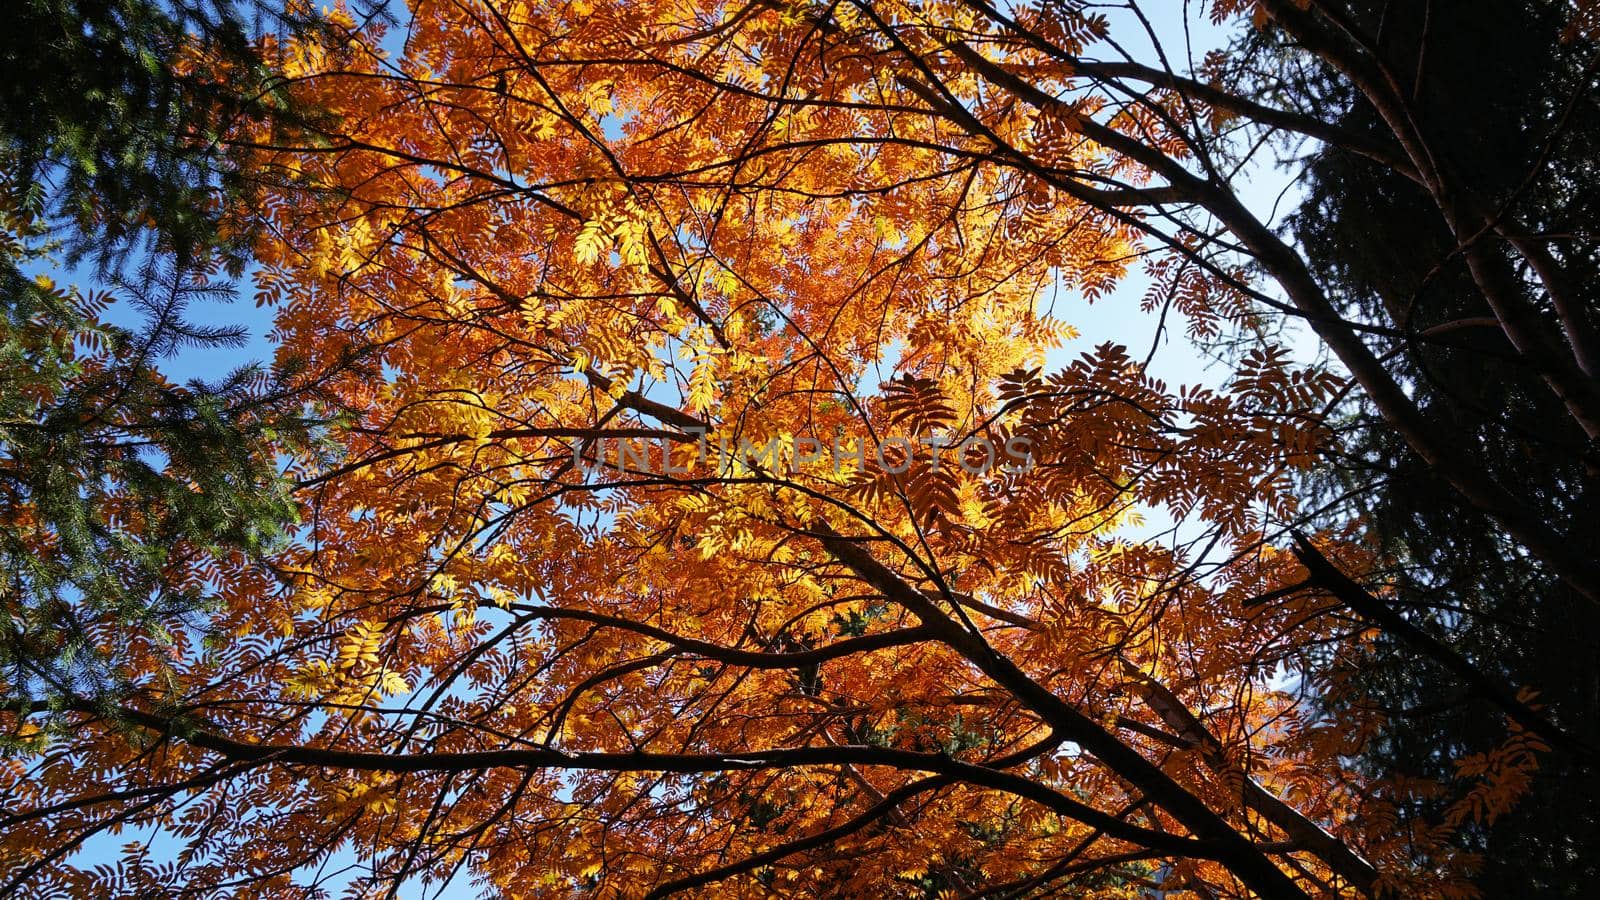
642, 572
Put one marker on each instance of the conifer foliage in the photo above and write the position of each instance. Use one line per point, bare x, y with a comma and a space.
122, 490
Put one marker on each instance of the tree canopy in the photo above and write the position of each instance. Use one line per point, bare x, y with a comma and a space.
119, 486
1370, 236
719, 512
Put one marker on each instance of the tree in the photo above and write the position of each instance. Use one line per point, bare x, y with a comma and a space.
113, 117
583, 607
119, 487
1370, 235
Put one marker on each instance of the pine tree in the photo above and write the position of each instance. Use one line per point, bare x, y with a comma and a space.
117, 486
1386, 255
